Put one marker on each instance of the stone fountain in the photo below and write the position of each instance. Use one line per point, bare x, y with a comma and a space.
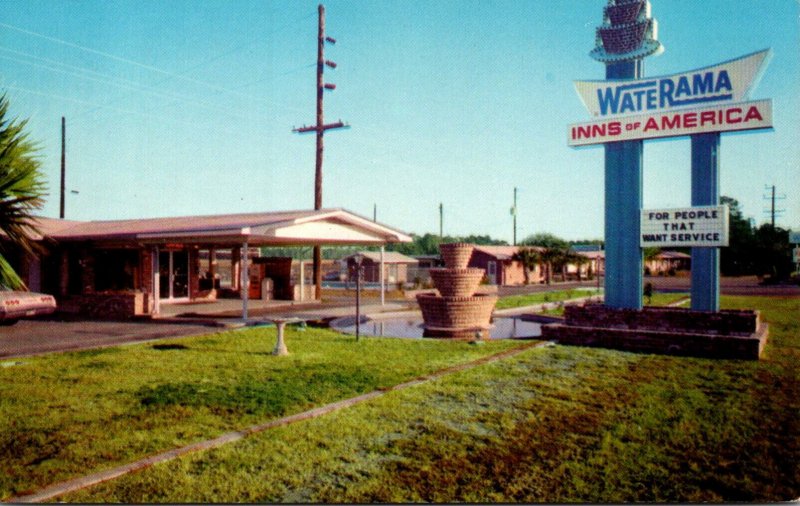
458, 312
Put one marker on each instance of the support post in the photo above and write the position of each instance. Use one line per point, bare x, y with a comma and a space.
382, 277
156, 282
623, 193
302, 281
705, 192
245, 283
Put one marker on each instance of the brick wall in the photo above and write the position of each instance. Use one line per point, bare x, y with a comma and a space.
725, 322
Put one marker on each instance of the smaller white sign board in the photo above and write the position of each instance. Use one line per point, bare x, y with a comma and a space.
796, 255
695, 227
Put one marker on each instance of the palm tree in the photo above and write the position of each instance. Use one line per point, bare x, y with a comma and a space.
529, 258
21, 193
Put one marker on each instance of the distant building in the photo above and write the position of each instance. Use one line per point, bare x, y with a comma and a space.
398, 268
500, 266
667, 263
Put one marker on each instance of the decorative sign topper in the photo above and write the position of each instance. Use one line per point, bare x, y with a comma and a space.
697, 227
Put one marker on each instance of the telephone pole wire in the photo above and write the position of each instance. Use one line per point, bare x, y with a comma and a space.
320, 129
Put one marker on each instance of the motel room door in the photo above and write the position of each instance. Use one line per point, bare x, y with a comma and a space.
491, 271
173, 275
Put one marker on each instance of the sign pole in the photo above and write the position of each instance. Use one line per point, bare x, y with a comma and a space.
623, 192
705, 192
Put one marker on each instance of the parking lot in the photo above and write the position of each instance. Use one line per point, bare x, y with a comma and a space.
33, 337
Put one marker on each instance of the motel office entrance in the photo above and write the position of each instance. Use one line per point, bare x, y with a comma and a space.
173, 275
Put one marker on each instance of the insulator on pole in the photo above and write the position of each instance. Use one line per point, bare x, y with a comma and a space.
329, 86
330, 39
330, 64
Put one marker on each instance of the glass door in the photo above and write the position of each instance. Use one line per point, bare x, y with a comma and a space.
173, 274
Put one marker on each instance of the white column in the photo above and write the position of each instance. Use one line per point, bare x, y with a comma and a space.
302, 281
245, 284
156, 282
383, 284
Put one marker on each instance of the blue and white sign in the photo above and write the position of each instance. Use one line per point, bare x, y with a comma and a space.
721, 84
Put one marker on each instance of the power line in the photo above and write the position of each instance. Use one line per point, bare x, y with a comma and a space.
152, 68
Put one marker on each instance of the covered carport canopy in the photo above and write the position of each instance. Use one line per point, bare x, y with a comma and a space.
326, 227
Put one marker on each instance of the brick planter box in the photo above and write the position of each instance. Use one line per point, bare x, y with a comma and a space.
725, 322
107, 306
673, 331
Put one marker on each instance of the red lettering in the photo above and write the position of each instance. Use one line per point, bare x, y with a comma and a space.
690, 120
614, 128
753, 113
707, 117
666, 124
651, 125
729, 115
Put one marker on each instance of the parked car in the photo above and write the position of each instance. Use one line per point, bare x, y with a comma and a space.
16, 304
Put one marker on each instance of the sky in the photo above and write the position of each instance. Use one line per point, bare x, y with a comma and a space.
178, 108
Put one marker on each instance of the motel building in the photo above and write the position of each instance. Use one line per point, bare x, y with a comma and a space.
130, 268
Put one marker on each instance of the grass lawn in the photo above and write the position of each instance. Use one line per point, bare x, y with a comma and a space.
530, 299
66, 415
557, 424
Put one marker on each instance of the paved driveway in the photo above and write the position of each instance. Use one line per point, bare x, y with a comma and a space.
33, 337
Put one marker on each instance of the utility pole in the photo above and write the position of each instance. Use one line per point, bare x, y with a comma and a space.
514, 214
320, 129
375, 213
63, 164
441, 220
772, 211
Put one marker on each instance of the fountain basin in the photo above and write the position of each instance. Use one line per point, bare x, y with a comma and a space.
456, 255
457, 317
456, 282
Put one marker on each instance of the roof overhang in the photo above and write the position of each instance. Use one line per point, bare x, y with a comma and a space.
324, 227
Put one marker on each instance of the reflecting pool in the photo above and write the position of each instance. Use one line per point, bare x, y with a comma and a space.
411, 327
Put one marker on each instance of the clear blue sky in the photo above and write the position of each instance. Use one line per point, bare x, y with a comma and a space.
186, 107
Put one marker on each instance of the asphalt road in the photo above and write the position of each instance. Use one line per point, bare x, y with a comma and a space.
34, 337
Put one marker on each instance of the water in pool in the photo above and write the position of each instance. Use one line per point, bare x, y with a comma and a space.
411, 327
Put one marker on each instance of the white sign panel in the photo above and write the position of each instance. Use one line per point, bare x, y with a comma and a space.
724, 83
696, 227
796, 255
740, 116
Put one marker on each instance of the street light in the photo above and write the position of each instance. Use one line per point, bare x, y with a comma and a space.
358, 259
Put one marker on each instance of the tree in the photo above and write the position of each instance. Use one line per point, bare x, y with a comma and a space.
772, 252
738, 258
529, 258
21, 193
545, 240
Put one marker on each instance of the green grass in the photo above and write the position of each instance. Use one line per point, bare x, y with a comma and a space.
65, 415
558, 424
658, 299
513, 301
